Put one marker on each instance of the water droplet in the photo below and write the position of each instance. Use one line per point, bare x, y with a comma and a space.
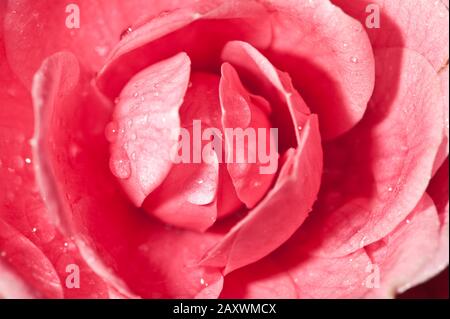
354, 59
126, 32
200, 181
190, 84
28, 160
116, 100
34, 230
133, 156
66, 244
120, 165
202, 281
408, 221
136, 94
390, 189
300, 128
345, 44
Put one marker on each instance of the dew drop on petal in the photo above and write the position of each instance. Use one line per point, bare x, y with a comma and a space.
111, 131
354, 59
126, 32
120, 165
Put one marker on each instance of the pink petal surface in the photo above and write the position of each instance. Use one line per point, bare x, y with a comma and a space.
53, 82
261, 231
239, 111
215, 22
329, 57
411, 24
290, 272
27, 224
402, 255
438, 190
306, 276
144, 122
29, 261
444, 148
187, 198
376, 175
12, 286
153, 260
191, 196
28, 25
266, 79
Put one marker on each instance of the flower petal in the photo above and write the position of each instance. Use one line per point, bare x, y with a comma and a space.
290, 272
403, 254
251, 178
262, 231
329, 58
200, 30
124, 245
29, 24
383, 166
23, 208
411, 25
145, 125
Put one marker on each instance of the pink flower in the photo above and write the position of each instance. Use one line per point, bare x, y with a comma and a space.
93, 207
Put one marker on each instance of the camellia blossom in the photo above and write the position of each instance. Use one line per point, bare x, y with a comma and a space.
342, 192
